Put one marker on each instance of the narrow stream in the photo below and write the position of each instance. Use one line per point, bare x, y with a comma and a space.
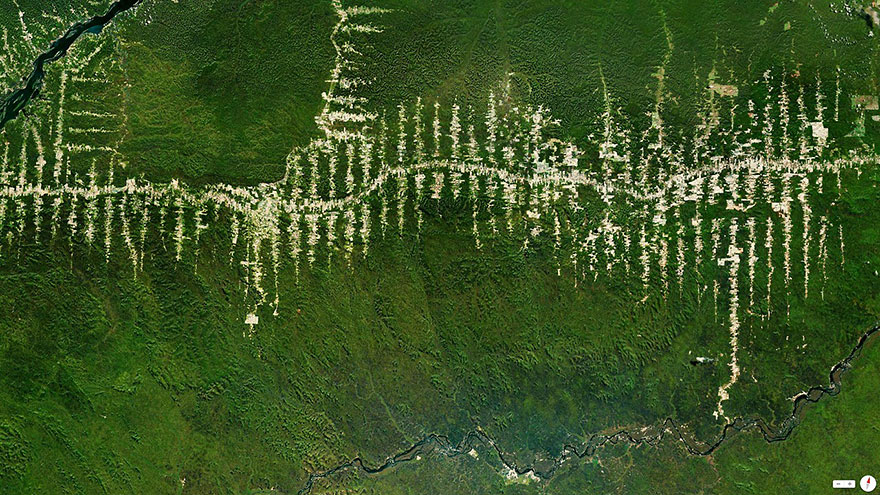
440, 444
13, 103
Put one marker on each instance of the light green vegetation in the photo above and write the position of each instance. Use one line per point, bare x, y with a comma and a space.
834, 441
149, 382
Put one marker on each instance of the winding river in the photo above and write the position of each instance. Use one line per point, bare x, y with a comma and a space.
442, 445
13, 103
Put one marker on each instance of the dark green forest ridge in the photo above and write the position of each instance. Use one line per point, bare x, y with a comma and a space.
441, 265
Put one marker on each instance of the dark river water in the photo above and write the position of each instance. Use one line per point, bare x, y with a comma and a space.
13, 103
